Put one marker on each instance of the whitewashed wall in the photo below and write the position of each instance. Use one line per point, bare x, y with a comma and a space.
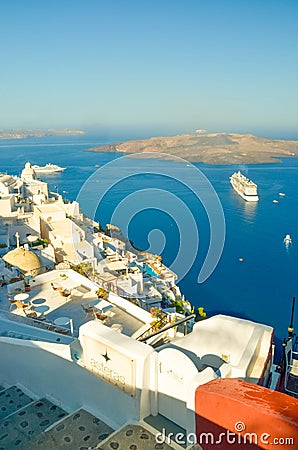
72, 386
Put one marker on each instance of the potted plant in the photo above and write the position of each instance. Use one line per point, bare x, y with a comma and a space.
27, 286
200, 314
101, 293
159, 318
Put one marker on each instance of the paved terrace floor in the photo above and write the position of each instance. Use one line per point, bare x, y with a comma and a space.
44, 299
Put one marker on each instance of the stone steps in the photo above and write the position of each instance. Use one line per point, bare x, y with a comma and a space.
78, 431
133, 437
42, 425
11, 400
27, 424
18, 429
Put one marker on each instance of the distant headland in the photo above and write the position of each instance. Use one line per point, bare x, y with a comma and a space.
210, 148
19, 133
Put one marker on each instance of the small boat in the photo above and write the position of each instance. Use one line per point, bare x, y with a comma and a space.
48, 168
275, 201
281, 194
288, 239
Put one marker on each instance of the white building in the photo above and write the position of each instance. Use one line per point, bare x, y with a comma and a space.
34, 189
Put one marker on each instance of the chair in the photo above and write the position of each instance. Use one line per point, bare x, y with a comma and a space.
12, 301
66, 293
51, 327
30, 314
88, 309
64, 331
40, 318
21, 305
17, 291
99, 315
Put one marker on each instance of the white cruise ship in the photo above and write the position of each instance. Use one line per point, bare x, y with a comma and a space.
245, 187
48, 168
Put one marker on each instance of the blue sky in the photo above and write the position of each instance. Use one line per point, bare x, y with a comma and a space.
156, 66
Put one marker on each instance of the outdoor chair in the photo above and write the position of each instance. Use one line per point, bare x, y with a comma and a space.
40, 318
30, 314
51, 327
64, 293
62, 331
12, 301
88, 309
21, 305
100, 316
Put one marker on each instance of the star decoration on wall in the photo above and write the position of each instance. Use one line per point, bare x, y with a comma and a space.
106, 356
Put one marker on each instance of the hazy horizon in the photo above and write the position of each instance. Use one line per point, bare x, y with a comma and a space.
114, 134
150, 68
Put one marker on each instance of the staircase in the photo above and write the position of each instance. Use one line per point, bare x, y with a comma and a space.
30, 424
40, 424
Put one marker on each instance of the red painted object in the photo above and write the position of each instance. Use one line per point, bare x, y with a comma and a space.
232, 413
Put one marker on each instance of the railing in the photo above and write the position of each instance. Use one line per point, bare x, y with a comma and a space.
291, 378
25, 336
144, 338
295, 346
290, 381
158, 326
42, 325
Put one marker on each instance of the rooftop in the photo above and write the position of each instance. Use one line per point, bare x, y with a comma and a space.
49, 208
59, 295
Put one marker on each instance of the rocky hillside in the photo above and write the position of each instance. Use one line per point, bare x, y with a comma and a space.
214, 148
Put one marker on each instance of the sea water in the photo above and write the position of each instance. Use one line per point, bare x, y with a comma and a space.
256, 276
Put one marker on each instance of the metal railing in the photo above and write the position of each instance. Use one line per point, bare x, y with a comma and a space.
36, 323
24, 336
291, 378
144, 338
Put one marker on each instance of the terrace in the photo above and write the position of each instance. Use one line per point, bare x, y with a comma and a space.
62, 301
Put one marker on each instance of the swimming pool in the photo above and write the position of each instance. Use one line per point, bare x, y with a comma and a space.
150, 271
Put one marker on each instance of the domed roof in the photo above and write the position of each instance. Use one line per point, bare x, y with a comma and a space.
28, 171
25, 260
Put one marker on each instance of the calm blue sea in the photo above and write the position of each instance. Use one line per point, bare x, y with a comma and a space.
260, 288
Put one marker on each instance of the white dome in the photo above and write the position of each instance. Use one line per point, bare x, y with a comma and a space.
27, 261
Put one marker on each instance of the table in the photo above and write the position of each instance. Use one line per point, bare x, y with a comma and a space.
22, 297
64, 321
41, 308
39, 301
117, 327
